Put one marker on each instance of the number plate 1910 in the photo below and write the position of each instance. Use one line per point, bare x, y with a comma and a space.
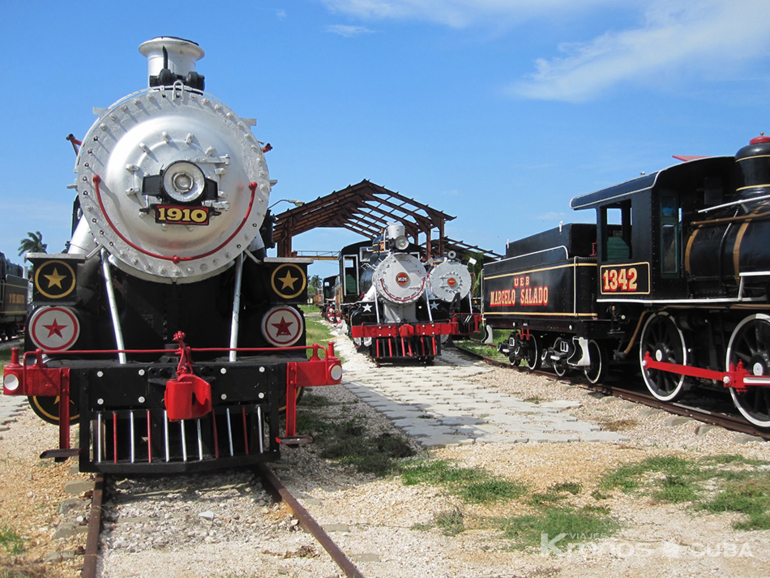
173, 215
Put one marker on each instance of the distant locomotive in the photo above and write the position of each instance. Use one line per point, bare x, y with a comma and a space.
676, 272
13, 298
387, 298
165, 331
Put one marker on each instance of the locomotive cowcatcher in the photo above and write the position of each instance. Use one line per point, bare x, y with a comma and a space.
674, 276
164, 331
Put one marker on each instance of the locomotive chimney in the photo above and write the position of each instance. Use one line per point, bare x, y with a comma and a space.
170, 59
752, 168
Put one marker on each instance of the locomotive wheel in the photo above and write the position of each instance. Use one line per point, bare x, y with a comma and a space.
47, 409
665, 342
749, 344
532, 353
560, 369
598, 369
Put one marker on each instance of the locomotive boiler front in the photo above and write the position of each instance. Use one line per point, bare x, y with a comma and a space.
731, 239
170, 180
450, 280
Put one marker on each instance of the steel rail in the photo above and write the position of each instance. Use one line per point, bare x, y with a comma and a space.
281, 493
94, 528
736, 424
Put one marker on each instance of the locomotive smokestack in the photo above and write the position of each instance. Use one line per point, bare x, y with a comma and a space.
170, 59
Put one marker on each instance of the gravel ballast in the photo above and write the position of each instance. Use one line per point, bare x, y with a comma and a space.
224, 525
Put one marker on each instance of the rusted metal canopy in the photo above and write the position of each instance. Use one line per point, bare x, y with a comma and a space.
366, 208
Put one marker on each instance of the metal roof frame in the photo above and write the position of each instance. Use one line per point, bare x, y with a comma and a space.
366, 208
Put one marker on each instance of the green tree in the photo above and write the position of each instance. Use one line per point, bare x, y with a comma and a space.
32, 244
475, 269
316, 282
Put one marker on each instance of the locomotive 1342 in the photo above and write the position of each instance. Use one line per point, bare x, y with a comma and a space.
675, 273
165, 331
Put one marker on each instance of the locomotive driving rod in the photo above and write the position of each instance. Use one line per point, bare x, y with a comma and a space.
736, 376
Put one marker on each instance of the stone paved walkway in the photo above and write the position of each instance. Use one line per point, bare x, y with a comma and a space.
440, 406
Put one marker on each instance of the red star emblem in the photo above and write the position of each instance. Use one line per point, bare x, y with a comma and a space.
283, 327
55, 328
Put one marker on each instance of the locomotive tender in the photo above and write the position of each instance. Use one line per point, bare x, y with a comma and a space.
394, 307
675, 275
165, 331
13, 298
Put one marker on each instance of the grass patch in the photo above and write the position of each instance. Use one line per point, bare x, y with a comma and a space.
318, 333
743, 486
555, 493
475, 486
450, 523
11, 541
348, 442
582, 524
489, 351
618, 424
749, 495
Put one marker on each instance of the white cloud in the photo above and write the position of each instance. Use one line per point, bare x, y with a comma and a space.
348, 31
457, 13
673, 40
550, 216
280, 14
676, 39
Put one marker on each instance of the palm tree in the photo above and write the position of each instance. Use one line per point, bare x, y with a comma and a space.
32, 244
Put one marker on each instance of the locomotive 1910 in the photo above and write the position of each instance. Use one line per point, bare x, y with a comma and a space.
394, 307
674, 275
165, 331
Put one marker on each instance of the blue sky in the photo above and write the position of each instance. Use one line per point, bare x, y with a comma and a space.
495, 111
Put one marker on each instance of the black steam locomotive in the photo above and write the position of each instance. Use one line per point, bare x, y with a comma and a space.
13, 298
165, 331
675, 275
395, 308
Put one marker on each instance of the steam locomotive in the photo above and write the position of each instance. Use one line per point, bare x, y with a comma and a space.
674, 275
395, 309
13, 298
165, 331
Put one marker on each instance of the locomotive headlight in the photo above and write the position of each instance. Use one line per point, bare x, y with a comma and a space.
183, 181
402, 243
11, 382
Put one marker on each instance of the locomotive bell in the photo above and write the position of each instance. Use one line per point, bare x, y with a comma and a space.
752, 168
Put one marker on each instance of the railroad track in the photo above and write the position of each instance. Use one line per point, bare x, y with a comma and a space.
733, 423
272, 485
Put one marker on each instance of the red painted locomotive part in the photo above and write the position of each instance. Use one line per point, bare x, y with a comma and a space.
736, 377
40, 380
280, 493
722, 420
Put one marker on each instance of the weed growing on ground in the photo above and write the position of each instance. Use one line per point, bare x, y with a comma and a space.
744, 487
475, 486
347, 441
11, 541
579, 524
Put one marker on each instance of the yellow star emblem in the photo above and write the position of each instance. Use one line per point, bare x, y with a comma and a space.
288, 280
54, 279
